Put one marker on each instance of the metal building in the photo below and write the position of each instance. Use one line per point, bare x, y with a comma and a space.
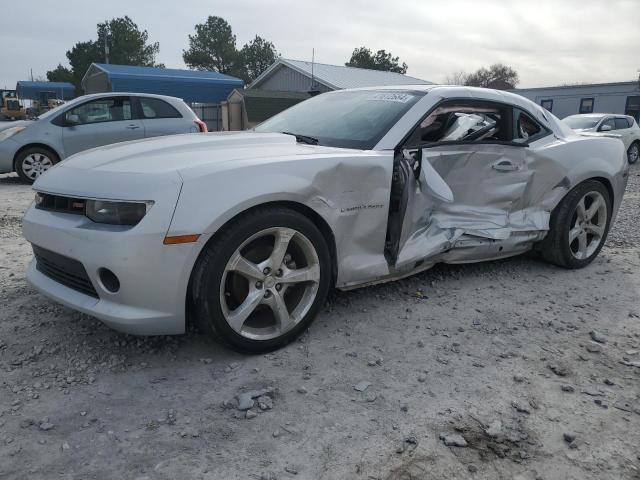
618, 97
45, 90
300, 76
193, 86
246, 108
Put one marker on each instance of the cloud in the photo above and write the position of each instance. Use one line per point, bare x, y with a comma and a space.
547, 41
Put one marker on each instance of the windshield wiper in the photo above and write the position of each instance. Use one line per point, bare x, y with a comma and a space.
303, 138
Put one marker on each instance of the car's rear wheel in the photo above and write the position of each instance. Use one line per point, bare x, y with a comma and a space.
33, 162
260, 282
579, 226
633, 153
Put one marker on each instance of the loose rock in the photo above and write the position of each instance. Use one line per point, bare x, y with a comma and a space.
453, 440
597, 336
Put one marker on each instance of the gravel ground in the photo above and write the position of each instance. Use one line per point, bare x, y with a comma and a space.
504, 370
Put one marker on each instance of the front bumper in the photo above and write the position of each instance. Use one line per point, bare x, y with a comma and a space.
8, 149
153, 277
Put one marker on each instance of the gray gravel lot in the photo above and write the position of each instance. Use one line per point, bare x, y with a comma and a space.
483, 371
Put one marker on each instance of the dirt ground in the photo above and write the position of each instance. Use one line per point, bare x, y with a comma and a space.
497, 356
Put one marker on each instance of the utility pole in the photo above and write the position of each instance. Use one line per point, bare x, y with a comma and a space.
313, 58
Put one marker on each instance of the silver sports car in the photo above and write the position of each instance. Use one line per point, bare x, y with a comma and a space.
248, 231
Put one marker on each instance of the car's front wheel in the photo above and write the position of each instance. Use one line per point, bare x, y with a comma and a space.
579, 226
260, 282
33, 162
633, 153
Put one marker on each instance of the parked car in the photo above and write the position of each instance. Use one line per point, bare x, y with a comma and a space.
30, 148
623, 126
250, 230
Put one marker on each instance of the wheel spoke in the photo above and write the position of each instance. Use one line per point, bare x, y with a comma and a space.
580, 209
280, 312
245, 268
306, 274
573, 233
593, 209
237, 317
582, 244
281, 244
596, 230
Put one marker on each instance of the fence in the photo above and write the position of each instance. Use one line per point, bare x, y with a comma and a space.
209, 113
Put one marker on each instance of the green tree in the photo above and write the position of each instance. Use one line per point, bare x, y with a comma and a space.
80, 57
212, 47
364, 58
60, 74
127, 43
256, 56
498, 76
127, 46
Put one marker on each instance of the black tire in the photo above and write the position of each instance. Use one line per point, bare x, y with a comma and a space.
555, 247
210, 267
633, 153
20, 163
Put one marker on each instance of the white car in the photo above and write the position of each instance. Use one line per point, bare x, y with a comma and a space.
622, 126
249, 230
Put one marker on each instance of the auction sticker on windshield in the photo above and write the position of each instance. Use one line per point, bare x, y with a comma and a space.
392, 97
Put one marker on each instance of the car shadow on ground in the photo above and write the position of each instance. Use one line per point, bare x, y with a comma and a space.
11, 179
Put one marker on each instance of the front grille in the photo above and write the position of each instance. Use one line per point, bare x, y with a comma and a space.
64, 270
59, 203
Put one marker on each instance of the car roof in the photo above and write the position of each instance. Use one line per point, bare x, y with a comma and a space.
472, 93
126, 94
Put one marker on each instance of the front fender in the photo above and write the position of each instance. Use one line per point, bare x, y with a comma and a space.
350, 192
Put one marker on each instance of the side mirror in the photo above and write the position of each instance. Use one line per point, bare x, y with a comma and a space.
606, 128
72, 119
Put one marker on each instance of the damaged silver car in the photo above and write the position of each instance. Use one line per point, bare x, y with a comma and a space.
248, 231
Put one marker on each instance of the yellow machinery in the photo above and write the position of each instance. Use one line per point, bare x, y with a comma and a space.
11, 108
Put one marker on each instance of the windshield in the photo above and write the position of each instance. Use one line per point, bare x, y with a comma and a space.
349, 119
577, 121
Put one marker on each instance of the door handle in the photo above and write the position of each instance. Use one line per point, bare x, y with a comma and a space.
505, 166
133, 127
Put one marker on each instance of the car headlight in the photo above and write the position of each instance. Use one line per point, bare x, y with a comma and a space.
10, 132
116, 213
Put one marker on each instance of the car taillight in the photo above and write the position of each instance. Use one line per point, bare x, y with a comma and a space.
201, 126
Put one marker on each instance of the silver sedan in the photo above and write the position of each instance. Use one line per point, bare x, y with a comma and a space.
30, 148
248, 231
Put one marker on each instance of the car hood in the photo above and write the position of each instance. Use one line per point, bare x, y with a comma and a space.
141, 169
185, 152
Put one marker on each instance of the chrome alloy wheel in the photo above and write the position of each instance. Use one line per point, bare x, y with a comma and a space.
270, 283
35, 165
588, 225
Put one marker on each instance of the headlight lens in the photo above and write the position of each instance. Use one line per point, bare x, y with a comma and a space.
10, 132
116, 213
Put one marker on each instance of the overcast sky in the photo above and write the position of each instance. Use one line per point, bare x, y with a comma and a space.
548, 42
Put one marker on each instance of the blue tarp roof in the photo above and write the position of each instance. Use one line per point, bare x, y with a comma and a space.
32, 90
190, 85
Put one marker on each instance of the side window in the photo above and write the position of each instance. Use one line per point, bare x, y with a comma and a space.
607, 125
586, 105
463, 122
526, 128
109, 109
156, 108
621, 123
